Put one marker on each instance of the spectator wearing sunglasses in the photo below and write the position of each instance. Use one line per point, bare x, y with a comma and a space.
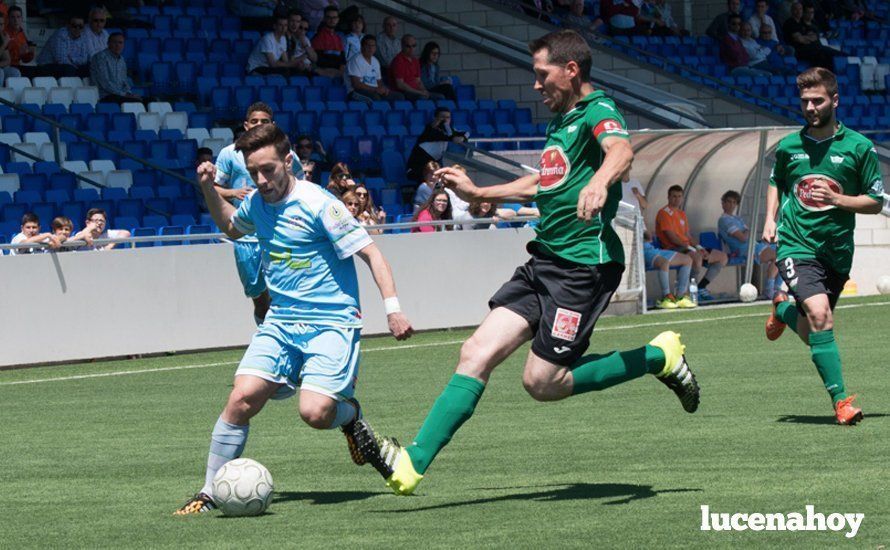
340, 180
66, 52
405, 72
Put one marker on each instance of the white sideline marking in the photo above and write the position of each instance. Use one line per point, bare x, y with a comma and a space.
409, 346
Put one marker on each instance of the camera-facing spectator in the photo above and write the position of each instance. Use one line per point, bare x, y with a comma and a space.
733, 52
353, 39
632, 192
429, 183
96, 227
389, 43
576, 19
364, 79
308, 150
760, 57
6, 68
65, 53
62, 227
269, 56
432, 143
340, 180
357, 202
21, 50
433, 80
802, 32
314, 11
370, 211
735, 233
95, 35
328, 44
761, 18
108, 71
30, 233
309, 171
437, 207
720, 25
656, 19
299, 47
405, 72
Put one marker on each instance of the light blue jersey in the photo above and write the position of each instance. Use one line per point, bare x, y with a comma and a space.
729, 224
307, 240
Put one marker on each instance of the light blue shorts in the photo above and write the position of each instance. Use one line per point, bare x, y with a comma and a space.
649, 255
320, 358
249, 261
759, 247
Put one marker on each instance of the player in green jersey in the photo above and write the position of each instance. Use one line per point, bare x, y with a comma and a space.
576, 264
824, 175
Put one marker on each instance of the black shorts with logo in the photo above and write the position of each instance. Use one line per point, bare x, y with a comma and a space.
561, 301
807, 278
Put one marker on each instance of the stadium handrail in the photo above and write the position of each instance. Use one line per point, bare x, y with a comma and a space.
600, 38
515, 53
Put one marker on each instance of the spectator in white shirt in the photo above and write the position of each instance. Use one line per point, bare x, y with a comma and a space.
389, 42
31, 234
632, 192
363, 78
95, 35
760, 18
269, 56
353, 41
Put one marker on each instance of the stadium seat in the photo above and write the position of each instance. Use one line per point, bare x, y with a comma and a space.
175, 121
149, 121
145, 232
9, 183
17, 84
197, 134
63, 180
57, 196
35, 96
122, 179
85, 94
34, 182
160, 107
91, 178
393, 166
13, 212
225, 134
113, 194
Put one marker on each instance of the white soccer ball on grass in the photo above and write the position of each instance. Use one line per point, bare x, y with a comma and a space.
242, 487
884, 284
748, 292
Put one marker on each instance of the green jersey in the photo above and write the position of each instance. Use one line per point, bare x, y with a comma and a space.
806, 228
571, 156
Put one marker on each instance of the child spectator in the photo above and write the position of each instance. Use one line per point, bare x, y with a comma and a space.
31, 234
427, 186
437, 207
432, 79
353, 43
62, 227
96, 228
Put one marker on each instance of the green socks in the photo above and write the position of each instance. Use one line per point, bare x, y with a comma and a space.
828, 362
598, 372
454, 407
787, 312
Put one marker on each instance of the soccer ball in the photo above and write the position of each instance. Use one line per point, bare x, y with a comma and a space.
748, 292
884, 284
242, 487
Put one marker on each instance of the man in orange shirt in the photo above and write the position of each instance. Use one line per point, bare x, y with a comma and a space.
672, 229
21, 50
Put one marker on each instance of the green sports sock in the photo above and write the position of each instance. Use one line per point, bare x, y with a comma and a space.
598, 372
787, 312
828, 362
453, 407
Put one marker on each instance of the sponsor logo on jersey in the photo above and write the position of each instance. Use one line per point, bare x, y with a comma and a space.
335, 211
803, 190
836, 159
555, 167
800, 156
572, 129
877, 187
610, 127
565, 324
561, 349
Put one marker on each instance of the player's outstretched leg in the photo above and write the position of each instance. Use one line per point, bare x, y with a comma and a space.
784, 314
676, 373
198, 504
349, 431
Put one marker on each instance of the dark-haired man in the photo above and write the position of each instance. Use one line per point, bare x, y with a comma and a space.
824, 175
310, 339
576, 264
363, 79
108, 71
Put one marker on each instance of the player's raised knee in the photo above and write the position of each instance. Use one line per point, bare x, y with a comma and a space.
317, 416
540, 387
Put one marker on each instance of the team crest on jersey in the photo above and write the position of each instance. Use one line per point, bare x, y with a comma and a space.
803, 190
565, 325
837, 159
555, 167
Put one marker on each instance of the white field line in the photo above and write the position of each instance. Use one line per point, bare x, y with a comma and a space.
408, 346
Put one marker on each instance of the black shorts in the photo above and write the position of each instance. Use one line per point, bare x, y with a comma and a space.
807, 278
561, 301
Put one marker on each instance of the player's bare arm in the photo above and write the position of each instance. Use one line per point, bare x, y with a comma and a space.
522, 189
399, 325
860, 204
232, 194
772, 206
220, 209
618, 157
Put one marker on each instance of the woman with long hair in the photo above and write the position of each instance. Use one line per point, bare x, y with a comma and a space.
368, 213
432, 79
340, 179
437, 207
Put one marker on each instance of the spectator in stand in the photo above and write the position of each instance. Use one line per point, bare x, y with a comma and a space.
621, 16
6, 69
254, 14
309, 171
373, 212
299, 48
31, 233
672, 229
96, 227
314, 11
733, 52
856, 10
761, 18
778, 50
632, 192
363, 79
309, 151
269, 56
202, 155
429, 184
4, 9
328, 44
404, 72
389, 43
364, 212
62, 228
477, 211
662, 261
656, 19
803, 34
720, 25
735, 233
340, 180
353, 43
432, 79
759, 56
65, 53
21, 50
576, 19
460, 209
437, 207
432, 143
108, 71
95, 35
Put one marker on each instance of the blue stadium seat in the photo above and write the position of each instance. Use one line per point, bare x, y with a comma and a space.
126, 222
62, 180
393, 166
34, 182
145, 232
26, 197
159, 206
46, 167
87, 196
197, 229
19, 168
13, 213
57, 196
171, 230
170, 192
75, 210
154, 220
114, 194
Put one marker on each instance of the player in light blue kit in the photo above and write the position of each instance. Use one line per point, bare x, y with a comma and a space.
310, 338
735, 233
233, 183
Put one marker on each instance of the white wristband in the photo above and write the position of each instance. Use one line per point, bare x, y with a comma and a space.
391, 305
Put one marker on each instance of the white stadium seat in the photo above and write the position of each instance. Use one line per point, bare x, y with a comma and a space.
38, 138
119, 178
34, 95
98, 177
86, 94
197, 134
176, 121
132, 107
103, 166
8, 94
29, 148
10, 138
160, 107
9, 183
45, 82
18, 83
148, 121
63, 95
76, 166
72, 82
214, 145
48, 154
222, 133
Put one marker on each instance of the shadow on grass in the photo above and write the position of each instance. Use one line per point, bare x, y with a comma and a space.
821, 419
614, 493
324, 497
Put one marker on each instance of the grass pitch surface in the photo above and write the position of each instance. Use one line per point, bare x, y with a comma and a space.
101, 454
